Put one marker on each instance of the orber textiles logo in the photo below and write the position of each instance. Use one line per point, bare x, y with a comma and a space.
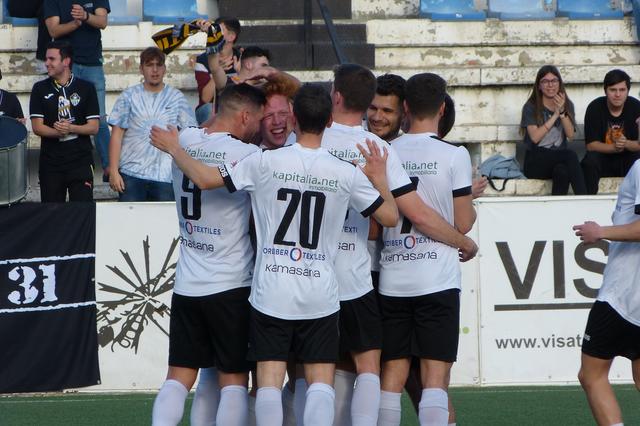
408, 242
314, 182
424, 168
122, 320
294, 254
192, 228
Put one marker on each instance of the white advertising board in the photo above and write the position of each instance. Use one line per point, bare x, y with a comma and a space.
136, 252
537, 282
466, 371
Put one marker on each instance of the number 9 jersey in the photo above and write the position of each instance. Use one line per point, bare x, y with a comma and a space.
300, 197
215, 250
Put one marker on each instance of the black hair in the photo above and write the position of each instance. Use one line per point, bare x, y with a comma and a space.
238, 95
231, 23
312, 108
64, 47
424, 94
255, 52
356, 84
616, 76
448, 118
391, 84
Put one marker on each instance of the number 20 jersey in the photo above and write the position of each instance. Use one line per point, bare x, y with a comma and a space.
300, 197
215, 250
412, 264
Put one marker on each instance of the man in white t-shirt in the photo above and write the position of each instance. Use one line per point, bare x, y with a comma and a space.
300, 195
209, 327
420, 276
360, 324
613, 327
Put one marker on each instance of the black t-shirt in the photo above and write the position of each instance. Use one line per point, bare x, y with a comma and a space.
86, 41
598, 121
9, 105
76, 101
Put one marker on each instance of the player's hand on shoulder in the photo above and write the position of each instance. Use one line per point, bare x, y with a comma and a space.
589, 232
375, 167
165, 139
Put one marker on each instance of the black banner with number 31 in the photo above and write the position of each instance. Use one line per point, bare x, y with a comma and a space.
47, 297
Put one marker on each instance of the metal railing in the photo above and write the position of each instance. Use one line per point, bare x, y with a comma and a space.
331, 29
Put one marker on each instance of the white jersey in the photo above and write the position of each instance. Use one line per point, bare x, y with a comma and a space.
411, 263
620, 284
353, 265
215, 250
300, 197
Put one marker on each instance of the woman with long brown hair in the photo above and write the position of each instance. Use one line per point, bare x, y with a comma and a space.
548, 123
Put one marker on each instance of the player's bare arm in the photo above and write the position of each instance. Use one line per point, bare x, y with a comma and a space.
376, 171
203, 176
430, 223
463, 213
590, 232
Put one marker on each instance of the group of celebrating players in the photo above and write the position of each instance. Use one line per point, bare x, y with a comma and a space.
308, 303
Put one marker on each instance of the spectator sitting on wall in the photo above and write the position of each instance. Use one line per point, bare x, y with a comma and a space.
80, 26
141, 172
228, 60
548, 122
10, 106
611, 131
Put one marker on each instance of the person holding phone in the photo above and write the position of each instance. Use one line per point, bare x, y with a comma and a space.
547, 124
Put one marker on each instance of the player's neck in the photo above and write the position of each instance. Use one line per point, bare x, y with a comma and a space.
427, 125
309, 140
63, 78
347, 118
222, 124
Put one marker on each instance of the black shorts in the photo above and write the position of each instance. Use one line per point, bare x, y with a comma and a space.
422, 326
210, 331
360, 324
312, 340
608, 335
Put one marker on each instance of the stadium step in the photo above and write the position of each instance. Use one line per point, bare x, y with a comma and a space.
281, 9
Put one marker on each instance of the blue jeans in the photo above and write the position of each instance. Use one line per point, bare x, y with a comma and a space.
203, 113
136, 189
95, 74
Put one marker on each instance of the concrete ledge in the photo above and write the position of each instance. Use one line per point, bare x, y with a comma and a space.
538, 187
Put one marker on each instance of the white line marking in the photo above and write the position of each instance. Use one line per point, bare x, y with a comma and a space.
47, 308
50, 258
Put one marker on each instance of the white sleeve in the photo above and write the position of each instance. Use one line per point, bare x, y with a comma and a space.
244, 174
635, 169
364, 197
461, 172
399, 182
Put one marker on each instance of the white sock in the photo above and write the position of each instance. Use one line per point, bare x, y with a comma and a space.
366, 400
618, 424
205, 399
390, 409
288, 413
269, 407
453, 424
343, 385
234, 406
252, 410
299, 398
319, 407
168, 406
433, 407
